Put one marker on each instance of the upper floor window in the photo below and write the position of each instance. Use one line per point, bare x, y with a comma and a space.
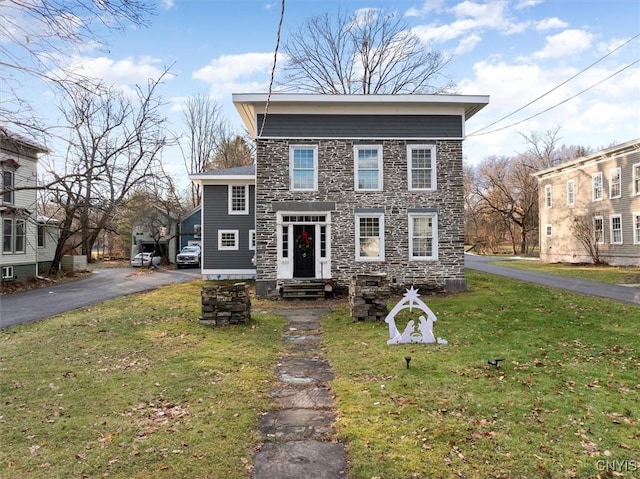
615, 183
421, 166
636, 228
370, 237
7, 186
547, 196
238, 200
596, 186
636, 179
303, 168
368, 167
423, 235
616, 229
571, 192
598, 229
549, 230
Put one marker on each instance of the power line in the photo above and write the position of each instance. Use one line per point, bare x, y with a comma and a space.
557, 104
273, 70
554, 88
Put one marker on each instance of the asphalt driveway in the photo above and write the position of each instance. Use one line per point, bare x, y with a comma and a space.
103, 284
590, 288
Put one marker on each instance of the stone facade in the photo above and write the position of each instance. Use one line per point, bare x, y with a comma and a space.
336, 184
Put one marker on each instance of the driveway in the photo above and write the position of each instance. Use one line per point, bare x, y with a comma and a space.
583, 286
103, 284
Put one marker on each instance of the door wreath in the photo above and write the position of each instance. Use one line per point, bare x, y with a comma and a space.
303, 242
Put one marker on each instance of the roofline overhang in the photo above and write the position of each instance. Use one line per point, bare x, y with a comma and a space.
249, 105
221, 179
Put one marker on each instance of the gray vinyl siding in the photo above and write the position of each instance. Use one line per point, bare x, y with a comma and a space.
361, 126
216, 217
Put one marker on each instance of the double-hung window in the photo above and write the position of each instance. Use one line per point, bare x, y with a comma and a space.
615, 183
303, 168
14, 234
636, 178
238, 200
571, 192
7, 186
596, 186
636, 228
616, 229
370, 236
423, 236
598, 229
548, 202
368, 167
421, 167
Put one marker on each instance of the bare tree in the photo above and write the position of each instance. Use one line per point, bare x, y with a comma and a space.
38, 36
368, 52
114, 146
232, 151
584, 230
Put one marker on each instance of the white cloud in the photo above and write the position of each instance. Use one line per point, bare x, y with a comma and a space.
428, 6
527, 3
550, 24
168, 4
467, 44
568, 42
229, 68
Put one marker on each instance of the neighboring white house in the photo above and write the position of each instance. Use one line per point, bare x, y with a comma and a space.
602, 189
21, 250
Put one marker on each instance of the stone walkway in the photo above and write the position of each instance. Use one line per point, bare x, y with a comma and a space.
298, 434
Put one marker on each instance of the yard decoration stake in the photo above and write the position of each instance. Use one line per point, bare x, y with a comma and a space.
424, 332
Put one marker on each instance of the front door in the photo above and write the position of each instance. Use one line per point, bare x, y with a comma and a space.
304, 258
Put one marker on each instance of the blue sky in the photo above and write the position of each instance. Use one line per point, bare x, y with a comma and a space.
513, 51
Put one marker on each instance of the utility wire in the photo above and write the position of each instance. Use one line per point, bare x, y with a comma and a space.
273, 70
554, 88
557, 104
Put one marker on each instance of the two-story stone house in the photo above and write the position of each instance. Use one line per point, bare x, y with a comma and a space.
24, 237
349, 184
604, 189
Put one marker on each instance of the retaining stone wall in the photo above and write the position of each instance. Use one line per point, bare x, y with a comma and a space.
225, 305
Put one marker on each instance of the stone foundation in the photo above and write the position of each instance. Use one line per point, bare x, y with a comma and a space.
368, 297
225, 305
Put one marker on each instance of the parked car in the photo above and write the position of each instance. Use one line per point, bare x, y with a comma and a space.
142, 259
188, 256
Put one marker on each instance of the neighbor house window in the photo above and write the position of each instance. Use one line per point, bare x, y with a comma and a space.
636, 228
368, 167
615, 183
227, 240
571, 192
41, 235
7, 186
636, 179
421, 167
598, 229
549, 230
547, 196
596, 186
370, 237
252, 240
303, 168
423, 234
14, 233
238, 200
616, 229
197, 231
7, 272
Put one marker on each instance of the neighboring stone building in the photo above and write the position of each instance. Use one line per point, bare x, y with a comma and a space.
358, 184
603, 189
25, 239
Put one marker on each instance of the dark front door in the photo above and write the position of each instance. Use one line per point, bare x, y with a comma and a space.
304, 260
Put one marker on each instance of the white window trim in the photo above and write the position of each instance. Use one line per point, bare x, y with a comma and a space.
601, 218
636, 230
245, 211
593, 186
11, 193
380, 216
611, 218
571, 187
227, 248
252, 240
7, 272
548, 230
612, 173
434, 229
548, 198
356, 149
432, 148
315, 166
636, 178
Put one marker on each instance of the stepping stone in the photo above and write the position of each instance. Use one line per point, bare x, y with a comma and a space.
294, 370
293, 327
312, 397
300, 460
296, 424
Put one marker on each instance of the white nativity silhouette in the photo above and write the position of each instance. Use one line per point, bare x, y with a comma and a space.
424, 333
